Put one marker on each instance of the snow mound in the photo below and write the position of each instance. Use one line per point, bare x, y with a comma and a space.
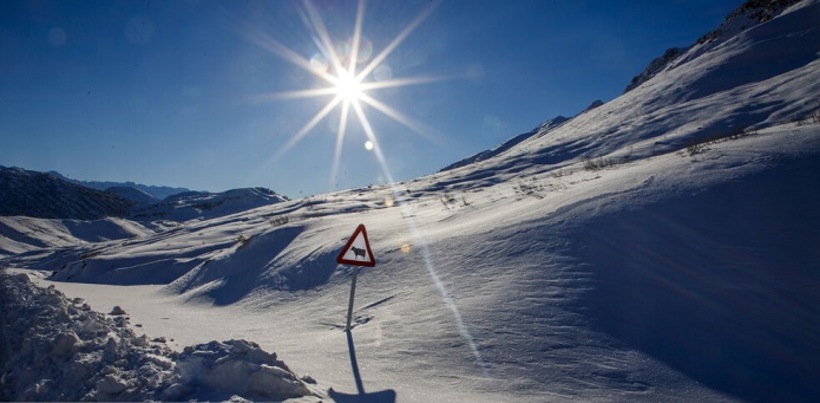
55, 349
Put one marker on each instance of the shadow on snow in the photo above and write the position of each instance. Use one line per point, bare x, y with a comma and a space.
721, 285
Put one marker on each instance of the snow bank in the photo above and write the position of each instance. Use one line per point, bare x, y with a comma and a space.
55, 349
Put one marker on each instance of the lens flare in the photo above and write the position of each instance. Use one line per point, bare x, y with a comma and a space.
351, 73
350, 87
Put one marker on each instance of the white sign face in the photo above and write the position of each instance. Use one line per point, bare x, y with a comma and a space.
357, 251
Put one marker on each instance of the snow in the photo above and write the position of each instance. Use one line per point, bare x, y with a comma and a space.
60, 350
22, 234
659, 247
191, 205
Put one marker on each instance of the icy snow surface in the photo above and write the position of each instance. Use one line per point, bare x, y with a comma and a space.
660, 247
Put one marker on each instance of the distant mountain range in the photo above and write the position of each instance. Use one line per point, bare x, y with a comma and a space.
38, 194
156, 192
52, 195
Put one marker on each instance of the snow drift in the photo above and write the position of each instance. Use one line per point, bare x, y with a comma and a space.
56, 349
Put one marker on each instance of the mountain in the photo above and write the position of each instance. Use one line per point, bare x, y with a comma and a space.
36, 194
659, 247
46, 195
189, 205
542, 129
666, 112
131, 193
157, 192
749, 14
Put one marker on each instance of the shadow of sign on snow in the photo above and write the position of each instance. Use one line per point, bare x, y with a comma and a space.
384, 396
721, 285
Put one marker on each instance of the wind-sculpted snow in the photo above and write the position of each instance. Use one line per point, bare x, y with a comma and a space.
20, 234
659, 247
721, 284
54, 349
258, 261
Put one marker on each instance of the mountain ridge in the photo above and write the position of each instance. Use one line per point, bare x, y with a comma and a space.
37, 194
158, 192
47, 195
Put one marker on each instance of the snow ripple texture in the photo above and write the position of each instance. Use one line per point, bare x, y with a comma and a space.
55, 349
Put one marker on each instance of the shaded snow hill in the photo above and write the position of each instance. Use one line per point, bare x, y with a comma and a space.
190, 205
50, 195
37, 194
659, 247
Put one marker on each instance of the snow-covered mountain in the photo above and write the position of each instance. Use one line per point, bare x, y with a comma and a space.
542, 128
157, 192
190, 205
37, 194
751, 13
659, 247
46, 195
135, 195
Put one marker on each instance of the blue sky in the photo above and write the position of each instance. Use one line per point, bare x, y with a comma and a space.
178, 93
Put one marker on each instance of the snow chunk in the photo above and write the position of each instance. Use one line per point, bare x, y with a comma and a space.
53, 351
241, 368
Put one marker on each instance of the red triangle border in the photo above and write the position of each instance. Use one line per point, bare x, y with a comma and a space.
341, 260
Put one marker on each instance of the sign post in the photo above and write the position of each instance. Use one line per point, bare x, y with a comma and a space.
352, 294
356, 253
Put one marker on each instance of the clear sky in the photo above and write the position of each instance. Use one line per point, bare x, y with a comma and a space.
206, 94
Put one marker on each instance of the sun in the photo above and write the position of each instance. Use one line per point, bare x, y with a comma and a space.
350, 74
348, 87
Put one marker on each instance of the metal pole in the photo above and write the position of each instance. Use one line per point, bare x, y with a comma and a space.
352, 292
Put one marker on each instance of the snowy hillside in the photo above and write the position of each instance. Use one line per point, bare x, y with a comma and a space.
22, 234
659, 247
546, 126
190, 205
38, 194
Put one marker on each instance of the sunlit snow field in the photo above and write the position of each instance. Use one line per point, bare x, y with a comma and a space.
660, 247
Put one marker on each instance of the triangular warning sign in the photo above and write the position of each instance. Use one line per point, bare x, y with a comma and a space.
357, 251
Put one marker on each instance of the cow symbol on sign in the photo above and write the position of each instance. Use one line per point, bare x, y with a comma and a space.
358, 252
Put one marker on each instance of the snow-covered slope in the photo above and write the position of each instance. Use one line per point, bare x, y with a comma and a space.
542, 128
760, 77
660, 247
20, 234
190, 205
